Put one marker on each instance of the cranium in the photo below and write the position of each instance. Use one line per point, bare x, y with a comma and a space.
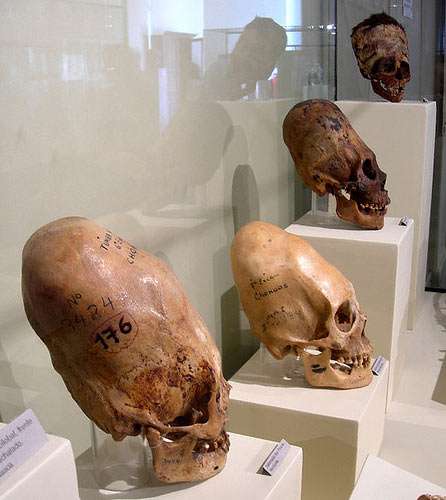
331, 157
131, 349
381, 49
296, 302
431, 497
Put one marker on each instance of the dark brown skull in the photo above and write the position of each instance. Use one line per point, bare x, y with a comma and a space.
381, 49
331, 158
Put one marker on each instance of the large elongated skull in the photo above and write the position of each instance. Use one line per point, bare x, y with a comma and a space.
382, 52
131, 349
332, 158
296, 302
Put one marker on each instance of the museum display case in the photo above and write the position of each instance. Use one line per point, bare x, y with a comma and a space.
223, 249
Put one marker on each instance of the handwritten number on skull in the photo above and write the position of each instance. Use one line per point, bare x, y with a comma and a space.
110, 333
109, 302
93, 308
124, 327
101, 340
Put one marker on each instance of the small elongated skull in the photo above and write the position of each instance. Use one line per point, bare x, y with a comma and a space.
296, 302
332, 158
382, 52
131, 349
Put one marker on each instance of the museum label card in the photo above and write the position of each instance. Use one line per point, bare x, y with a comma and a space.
378, 365
19, 440
404, 221
276, 457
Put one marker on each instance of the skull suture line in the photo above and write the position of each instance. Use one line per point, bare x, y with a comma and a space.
296, 302
131, 349
331, 157
382, 52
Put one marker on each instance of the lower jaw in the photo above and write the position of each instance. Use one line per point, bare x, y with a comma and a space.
333, 377
177, 462
360, 378
320, 373
349, 211
386, 94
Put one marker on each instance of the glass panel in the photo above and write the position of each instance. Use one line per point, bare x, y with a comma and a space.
160, 119
425, 27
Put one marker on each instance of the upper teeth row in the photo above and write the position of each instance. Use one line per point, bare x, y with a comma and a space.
355, 361
373, 206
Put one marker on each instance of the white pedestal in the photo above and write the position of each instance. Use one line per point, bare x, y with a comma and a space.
379, 479
378, 263
49, 474
402, 137
240, 479
336, 429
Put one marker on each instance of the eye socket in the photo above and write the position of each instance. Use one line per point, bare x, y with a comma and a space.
368, 169
384, 65
345, 317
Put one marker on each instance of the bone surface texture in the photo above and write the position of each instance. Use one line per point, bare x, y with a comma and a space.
331, 158
382, 52
297, 303
130, 347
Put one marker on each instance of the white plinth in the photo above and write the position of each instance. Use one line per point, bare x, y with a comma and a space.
49, 474
378, 263
402, 137
336, 429
379, 479
240, 479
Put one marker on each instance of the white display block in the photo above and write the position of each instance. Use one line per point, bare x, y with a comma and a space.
378, 263
241, 478
336, 429
403, 138
379, 479
49, 474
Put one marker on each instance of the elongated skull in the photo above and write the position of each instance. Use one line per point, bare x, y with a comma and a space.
431, 497
296, 302
382, 52
332, 158
131, 349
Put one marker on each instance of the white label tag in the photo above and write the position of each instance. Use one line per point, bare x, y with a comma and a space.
19, 440
404, 221
378, 365
408, 8
276, 457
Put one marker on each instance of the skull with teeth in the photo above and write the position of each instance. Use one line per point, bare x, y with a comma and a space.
296, 302
331, 158
131, 349
381, 49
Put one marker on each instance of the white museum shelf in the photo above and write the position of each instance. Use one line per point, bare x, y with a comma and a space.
240, 478
378, 263
49, 474
336, 429
402, 136
379, 479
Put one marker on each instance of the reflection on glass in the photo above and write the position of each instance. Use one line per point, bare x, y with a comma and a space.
260, 45
161, 119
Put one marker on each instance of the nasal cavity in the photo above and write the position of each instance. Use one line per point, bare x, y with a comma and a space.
404, 71
368, 169
345, 317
